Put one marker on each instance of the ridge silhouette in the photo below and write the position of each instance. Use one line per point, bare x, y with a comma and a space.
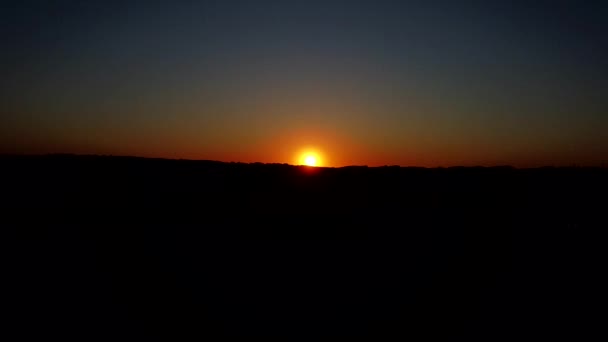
141, 247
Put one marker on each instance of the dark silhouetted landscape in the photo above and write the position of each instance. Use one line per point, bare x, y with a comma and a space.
103, 246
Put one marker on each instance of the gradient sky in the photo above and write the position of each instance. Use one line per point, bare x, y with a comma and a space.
426, 83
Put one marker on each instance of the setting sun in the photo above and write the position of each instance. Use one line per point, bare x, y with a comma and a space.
310, 161
310, 158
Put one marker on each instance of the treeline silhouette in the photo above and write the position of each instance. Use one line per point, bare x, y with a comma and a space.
102, 246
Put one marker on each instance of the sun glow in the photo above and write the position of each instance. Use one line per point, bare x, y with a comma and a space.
310, 158
310, 161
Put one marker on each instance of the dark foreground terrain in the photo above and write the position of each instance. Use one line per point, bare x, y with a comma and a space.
115, 247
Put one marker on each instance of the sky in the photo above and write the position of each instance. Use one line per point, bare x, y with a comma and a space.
412, 83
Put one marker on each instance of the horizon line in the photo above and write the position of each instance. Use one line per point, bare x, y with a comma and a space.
64, 154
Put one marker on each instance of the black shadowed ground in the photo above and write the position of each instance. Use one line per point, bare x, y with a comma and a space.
121, 246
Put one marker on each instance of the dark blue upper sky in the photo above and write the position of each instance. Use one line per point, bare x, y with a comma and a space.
365, 82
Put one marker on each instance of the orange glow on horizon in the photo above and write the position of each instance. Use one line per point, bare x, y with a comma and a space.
310, 157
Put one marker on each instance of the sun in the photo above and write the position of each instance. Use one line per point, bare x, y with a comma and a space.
309, 158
